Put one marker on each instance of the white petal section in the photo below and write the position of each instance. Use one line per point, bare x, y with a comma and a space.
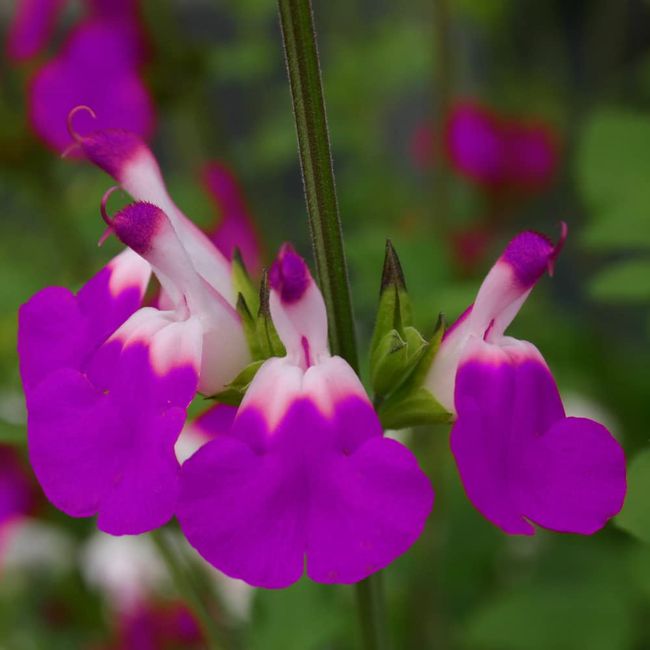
275, 386
128, 269
127, 569
142, 179
300, 322
330, 382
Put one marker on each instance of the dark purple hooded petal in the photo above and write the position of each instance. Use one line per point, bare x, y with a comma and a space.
98, 68
57, 329
520, 458
328, 491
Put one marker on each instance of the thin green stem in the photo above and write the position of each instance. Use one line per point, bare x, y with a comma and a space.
303, 66
187, 589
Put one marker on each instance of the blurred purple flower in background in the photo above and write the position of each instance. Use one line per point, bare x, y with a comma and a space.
99, 65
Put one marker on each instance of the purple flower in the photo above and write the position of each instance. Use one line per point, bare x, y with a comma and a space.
16, 492
305, 476
235, 228
500, 153
520, 458
108, 383
99, 65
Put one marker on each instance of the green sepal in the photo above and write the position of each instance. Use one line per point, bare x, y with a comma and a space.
394, 310
412, 403
267, 337
243, 284
12, 434
236, 389
394, 359
249, 323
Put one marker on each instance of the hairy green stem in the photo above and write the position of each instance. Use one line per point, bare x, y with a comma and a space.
187, 588
318, 177
303, 66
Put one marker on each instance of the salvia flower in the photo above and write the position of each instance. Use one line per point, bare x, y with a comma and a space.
498, 152
107, 381
521, 460
304, 476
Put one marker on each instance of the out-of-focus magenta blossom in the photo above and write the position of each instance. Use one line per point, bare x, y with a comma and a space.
497, 152
235, 228
107, 381
99, 64
16, 490
32, 27
520, 458
317, 485
157, 626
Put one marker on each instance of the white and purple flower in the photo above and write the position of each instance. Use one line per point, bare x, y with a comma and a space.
304, 477
520, 458
108, 382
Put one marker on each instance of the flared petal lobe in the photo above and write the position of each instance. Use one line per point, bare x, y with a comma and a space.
304, 476
519, 457
102, 442
57, 329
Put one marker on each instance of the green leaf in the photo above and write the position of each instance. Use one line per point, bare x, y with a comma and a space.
612, 172
243, 284
236, 389
558, 616
635, 516
267, 337
624, 282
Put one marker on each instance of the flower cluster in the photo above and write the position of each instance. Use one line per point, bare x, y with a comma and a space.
298, 475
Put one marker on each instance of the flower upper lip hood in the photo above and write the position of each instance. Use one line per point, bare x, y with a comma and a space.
503, 291
305, 459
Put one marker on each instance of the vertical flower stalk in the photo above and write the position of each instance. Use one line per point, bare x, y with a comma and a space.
303, 67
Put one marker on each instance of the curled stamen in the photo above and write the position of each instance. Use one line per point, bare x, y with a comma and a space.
564, 231
68, 150
102, 207
73, 134
105, 216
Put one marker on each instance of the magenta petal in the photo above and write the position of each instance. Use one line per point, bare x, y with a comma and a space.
258, 504
216, 421
572, 478
521, 459
57, 329
97, 68
108, 449
366, 509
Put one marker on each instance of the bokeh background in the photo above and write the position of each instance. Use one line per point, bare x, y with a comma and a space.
575, 71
